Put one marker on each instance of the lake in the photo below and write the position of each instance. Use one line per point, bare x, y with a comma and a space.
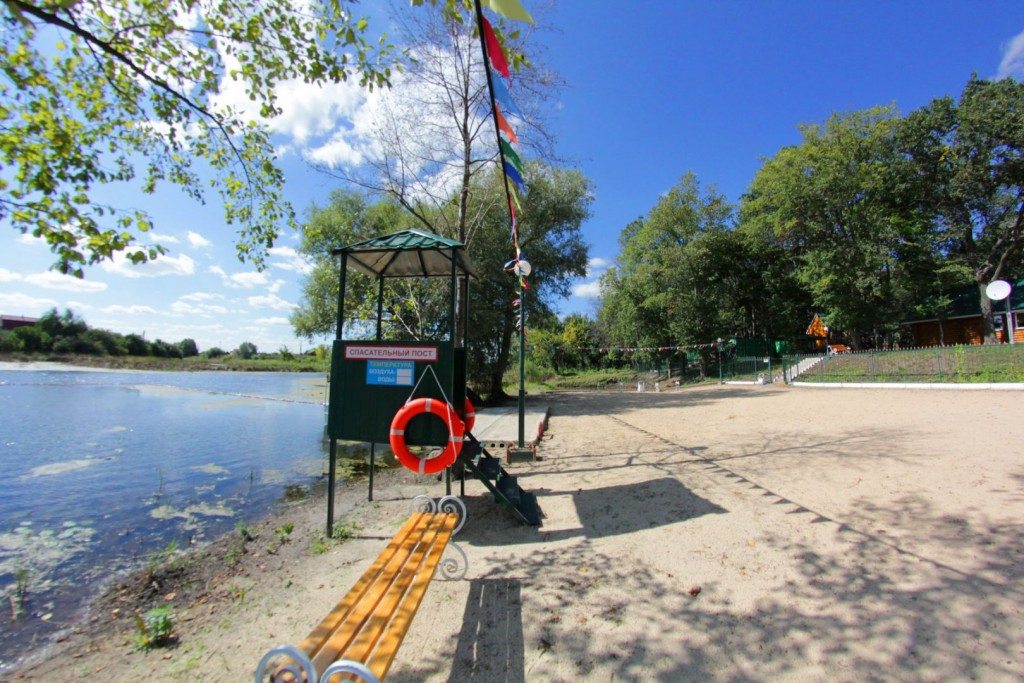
100, 470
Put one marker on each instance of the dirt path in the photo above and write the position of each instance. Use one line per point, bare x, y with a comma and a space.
709, 533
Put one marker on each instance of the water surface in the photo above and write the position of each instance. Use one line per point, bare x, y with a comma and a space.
99, 470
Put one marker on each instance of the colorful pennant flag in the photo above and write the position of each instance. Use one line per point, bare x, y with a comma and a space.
502, 95
511, 155
502, 103
494, 51
514, 176
503, 124
510, 9
514, 197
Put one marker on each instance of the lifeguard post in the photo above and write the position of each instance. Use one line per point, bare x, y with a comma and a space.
372, 380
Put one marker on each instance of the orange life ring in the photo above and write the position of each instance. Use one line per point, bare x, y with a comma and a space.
441, 409
468, 414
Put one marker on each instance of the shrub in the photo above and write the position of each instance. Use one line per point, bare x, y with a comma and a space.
215, 352
188, 348
33, 339
246, 350
9, 343
154, 628
136, 345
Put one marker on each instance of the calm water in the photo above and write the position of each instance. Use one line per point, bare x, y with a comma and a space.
100, 470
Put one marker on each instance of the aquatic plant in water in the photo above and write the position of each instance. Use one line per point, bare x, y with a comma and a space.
31, 556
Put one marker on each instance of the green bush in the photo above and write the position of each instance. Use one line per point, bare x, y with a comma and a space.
246, 350
33, 339
9, 343
136, 345
188, 348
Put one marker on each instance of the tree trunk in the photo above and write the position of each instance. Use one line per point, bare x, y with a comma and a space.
496, 390
988, 328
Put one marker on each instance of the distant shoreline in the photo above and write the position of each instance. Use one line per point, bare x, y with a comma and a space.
53, 366
84, 363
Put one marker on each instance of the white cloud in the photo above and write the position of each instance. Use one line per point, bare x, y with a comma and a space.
598, 263
129, 310
64, 283
587, 290
163, 239
1012, 64
200, 296
197, 240
29, 238
290, 260
206, 310
9, 275
247, 280
163, 265
271, 321
22, 304
307, 109
270, 301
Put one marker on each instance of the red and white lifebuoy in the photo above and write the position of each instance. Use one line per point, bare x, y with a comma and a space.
441, 409
468, 414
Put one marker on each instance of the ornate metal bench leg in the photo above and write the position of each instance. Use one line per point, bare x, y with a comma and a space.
423, 504
347, 666
299, 665
454, 505
451, 568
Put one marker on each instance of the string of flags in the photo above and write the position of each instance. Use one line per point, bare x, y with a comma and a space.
635, 349
503, 108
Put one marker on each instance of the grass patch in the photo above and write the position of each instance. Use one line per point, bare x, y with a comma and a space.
994, 364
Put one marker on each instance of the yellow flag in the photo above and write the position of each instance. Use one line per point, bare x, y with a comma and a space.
515, 197
510, 9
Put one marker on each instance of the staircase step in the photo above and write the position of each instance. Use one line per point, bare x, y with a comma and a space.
490, 466
509, 487
470, 448
528, 506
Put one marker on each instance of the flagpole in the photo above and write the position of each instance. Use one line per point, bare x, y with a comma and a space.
512, 221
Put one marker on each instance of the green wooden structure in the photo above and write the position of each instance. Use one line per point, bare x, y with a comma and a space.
372, 379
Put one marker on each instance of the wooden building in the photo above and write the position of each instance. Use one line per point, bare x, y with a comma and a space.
962, 323
9, 322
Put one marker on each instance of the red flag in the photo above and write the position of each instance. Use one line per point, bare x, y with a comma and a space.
494, 52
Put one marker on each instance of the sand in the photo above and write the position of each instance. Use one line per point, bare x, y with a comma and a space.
709, 533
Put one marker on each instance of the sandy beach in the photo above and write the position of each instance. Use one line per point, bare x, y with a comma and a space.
706, 533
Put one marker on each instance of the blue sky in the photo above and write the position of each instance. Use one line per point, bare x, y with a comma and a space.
655, 89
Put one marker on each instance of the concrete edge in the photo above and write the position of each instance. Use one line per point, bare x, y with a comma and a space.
1008, 386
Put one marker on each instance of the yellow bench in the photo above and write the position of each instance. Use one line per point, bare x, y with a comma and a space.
361, 635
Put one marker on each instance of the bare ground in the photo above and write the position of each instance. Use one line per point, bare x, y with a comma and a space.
715, 533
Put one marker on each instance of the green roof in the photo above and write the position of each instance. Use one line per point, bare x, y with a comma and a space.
965, 302
409, 253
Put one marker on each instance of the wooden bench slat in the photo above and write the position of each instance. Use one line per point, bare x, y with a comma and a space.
387, 648
327, 626
361, 603
381, 616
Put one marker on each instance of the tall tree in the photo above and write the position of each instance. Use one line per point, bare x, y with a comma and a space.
831, 202
348, 217
108, 92
675, 273
554, 209
433, 138
967, 172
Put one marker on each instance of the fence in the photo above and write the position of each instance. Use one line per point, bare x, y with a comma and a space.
943, 364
